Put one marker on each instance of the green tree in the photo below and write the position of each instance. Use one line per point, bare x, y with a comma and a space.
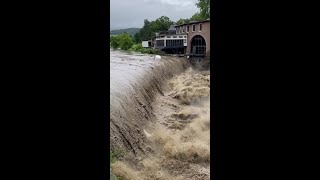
125, 41
182, 21
197, 17
150, 28
137, 38
114, 42
145, 31
204, 6
162, 24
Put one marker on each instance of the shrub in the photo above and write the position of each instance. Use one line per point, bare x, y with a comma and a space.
137, 47
122, 41
114, 42
125, 41
144, 50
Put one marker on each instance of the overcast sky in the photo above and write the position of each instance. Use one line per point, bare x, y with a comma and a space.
131, 13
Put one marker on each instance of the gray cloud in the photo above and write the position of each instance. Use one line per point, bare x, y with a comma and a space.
131, 13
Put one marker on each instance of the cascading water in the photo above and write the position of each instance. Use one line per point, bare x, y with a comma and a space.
160, 117
135, 80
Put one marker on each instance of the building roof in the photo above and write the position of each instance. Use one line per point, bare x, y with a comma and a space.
172, 28
193, 22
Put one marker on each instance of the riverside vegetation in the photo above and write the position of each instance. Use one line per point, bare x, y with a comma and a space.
125, 42
132, 43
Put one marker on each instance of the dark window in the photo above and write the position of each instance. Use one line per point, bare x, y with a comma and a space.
200, 27
187, 28
174, 43
198, 45
160, 43
193, 27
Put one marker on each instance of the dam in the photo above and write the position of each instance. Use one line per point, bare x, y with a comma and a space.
134, 81
159, 117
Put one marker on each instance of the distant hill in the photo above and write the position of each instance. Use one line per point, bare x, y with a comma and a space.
130, 31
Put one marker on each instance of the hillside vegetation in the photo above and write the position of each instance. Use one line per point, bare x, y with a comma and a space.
130, 31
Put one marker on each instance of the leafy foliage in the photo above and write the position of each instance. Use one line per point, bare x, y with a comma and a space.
204, 14
151, 27
114, 42
136, 38
130, 31
204, 6
182, 21
122, 41
136, 47
197, 17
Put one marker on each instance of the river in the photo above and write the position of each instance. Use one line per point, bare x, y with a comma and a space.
159, 117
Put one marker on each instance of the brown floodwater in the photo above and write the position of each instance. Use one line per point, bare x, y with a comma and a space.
135, 79
160, 118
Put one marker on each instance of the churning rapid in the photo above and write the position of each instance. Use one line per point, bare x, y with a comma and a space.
160, 118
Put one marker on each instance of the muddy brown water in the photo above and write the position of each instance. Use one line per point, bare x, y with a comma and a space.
135, 80
160, 117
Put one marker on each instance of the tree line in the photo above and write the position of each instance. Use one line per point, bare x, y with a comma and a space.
126, 41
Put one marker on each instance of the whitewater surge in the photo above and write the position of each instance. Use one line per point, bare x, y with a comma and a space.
179, 139
135, 81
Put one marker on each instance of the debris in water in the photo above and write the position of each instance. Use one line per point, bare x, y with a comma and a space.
157, 57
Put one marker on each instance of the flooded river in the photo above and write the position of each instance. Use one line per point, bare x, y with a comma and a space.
135, 80
160, 118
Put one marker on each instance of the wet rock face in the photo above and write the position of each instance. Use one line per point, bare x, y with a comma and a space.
135, 80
